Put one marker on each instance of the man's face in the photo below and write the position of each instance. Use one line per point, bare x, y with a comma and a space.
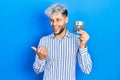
58, 23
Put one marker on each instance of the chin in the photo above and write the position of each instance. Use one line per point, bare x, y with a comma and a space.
56, 33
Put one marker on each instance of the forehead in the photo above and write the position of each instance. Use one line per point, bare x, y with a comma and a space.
57, 15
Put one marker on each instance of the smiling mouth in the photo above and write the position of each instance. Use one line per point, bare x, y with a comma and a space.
55, 28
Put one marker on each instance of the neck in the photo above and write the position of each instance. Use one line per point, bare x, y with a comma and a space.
60, 36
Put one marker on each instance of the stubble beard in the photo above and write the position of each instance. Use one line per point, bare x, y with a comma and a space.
61, 30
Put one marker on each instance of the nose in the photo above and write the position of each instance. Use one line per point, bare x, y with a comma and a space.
54, 23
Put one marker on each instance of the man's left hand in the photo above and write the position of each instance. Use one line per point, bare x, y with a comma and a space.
84, 37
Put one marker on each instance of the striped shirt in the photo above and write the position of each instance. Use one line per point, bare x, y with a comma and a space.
60, 63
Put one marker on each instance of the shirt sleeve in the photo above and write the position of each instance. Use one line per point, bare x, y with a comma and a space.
84, 60
38, 65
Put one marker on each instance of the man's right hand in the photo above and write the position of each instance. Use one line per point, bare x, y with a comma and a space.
42, 52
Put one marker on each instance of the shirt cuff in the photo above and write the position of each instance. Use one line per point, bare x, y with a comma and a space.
41, 62
85, 50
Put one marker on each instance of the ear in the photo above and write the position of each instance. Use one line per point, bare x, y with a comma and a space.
66, 19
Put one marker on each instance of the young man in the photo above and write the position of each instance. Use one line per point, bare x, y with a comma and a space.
57, 53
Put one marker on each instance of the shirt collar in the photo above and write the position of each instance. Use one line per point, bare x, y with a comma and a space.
67, 34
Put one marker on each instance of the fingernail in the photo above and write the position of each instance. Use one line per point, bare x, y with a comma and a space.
32, 47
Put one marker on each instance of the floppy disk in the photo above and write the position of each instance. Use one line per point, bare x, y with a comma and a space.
78, 25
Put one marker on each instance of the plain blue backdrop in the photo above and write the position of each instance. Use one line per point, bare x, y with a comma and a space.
23, 23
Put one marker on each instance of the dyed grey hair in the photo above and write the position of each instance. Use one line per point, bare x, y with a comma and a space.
56, 8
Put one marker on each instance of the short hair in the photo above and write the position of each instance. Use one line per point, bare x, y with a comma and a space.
56, 8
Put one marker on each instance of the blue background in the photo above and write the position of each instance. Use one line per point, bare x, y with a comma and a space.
23, 23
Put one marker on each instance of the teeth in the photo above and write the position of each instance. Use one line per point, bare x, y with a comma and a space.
55, 28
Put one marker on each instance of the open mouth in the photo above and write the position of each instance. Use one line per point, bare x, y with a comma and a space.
55, 28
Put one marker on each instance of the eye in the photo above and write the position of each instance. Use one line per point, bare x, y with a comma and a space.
58, 19
51, 20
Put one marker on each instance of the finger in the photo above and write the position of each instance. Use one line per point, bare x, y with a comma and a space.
81, 32
82, 39
46, 52
83, 36
43, 49
39, 49
86, 36
34, 48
